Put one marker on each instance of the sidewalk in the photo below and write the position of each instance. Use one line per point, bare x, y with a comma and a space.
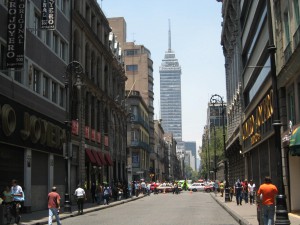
41, 217
245, 214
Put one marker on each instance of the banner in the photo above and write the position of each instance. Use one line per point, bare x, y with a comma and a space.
15, 33
48, 14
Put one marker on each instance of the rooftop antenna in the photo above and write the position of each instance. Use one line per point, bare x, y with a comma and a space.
169, 35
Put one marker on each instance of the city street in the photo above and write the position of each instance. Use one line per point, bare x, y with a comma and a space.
163, 209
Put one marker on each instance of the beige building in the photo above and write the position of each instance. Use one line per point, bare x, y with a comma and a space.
139, 71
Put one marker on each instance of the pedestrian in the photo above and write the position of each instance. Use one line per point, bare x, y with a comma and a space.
18, 199
238, 192
231, 192
245, 190
216, 187
99, 194
106, 194
53, 206
222, 188
251, 189
80, 197
6, 195
268, 192
93, 192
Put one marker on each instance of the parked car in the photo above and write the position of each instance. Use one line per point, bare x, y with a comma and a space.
197, 187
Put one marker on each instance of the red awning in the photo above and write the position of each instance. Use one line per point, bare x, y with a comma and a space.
101, 157
108, 159
90, 156
97, 158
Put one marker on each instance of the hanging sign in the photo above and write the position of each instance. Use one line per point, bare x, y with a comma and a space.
15, 33
48, 14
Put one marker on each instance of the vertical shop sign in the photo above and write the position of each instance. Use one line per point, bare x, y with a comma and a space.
48, 14
15, 33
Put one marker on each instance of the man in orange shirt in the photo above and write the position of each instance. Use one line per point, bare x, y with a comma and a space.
268, 192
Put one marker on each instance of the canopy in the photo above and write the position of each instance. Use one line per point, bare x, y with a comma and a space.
295, 142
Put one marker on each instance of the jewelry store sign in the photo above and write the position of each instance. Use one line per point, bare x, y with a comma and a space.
15, 33
253, 129
48, 14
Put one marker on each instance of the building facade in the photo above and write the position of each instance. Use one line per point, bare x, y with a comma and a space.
33, 99
58, 100
138, 139
170, 94
261, 94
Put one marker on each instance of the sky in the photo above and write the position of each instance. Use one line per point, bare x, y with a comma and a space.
196, 37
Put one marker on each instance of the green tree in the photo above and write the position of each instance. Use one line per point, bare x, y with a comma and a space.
208, 148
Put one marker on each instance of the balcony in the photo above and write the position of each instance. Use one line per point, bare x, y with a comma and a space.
140, 144
296, 38
287, 52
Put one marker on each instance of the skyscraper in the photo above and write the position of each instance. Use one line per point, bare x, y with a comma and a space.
170, 93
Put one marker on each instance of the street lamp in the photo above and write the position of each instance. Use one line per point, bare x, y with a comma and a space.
215, 151
281, 208
217, 99
73, 69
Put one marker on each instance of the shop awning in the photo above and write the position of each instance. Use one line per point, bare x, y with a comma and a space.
295, 142
101, 157
90, 156
97, 158
108, 159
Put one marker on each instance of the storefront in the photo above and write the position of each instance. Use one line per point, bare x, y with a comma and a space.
31, 152
258, 142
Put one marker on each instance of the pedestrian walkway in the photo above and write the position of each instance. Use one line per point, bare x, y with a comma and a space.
41, 217
246, 214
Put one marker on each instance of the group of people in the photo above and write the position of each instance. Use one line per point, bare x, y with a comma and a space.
265, 194
13, 197
243, 190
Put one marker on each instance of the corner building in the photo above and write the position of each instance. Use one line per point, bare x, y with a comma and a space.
38, 111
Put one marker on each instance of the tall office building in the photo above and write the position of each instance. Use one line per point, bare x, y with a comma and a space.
170, 93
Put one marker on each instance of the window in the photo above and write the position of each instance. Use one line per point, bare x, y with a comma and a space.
61, 96
63, 50
48, 37
18, 76
131, 67
3, 68
45, 86
36, 80
291, 106
132, 52
55, 43
54, 92
297, 14
36, 25
286, 28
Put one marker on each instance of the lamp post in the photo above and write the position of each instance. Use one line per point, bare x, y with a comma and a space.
217, 99
281, 208
215, 151
208, 154
73, 69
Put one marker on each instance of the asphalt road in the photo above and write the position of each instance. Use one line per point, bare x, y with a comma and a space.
163, 209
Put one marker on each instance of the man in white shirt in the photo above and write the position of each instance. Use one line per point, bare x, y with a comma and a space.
80, 195
18, 198
251, 189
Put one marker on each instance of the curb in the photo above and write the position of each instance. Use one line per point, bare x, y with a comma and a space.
236, 216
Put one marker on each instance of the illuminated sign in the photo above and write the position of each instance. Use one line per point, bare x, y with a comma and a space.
262, 113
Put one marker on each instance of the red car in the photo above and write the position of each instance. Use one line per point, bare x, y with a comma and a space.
209, 188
